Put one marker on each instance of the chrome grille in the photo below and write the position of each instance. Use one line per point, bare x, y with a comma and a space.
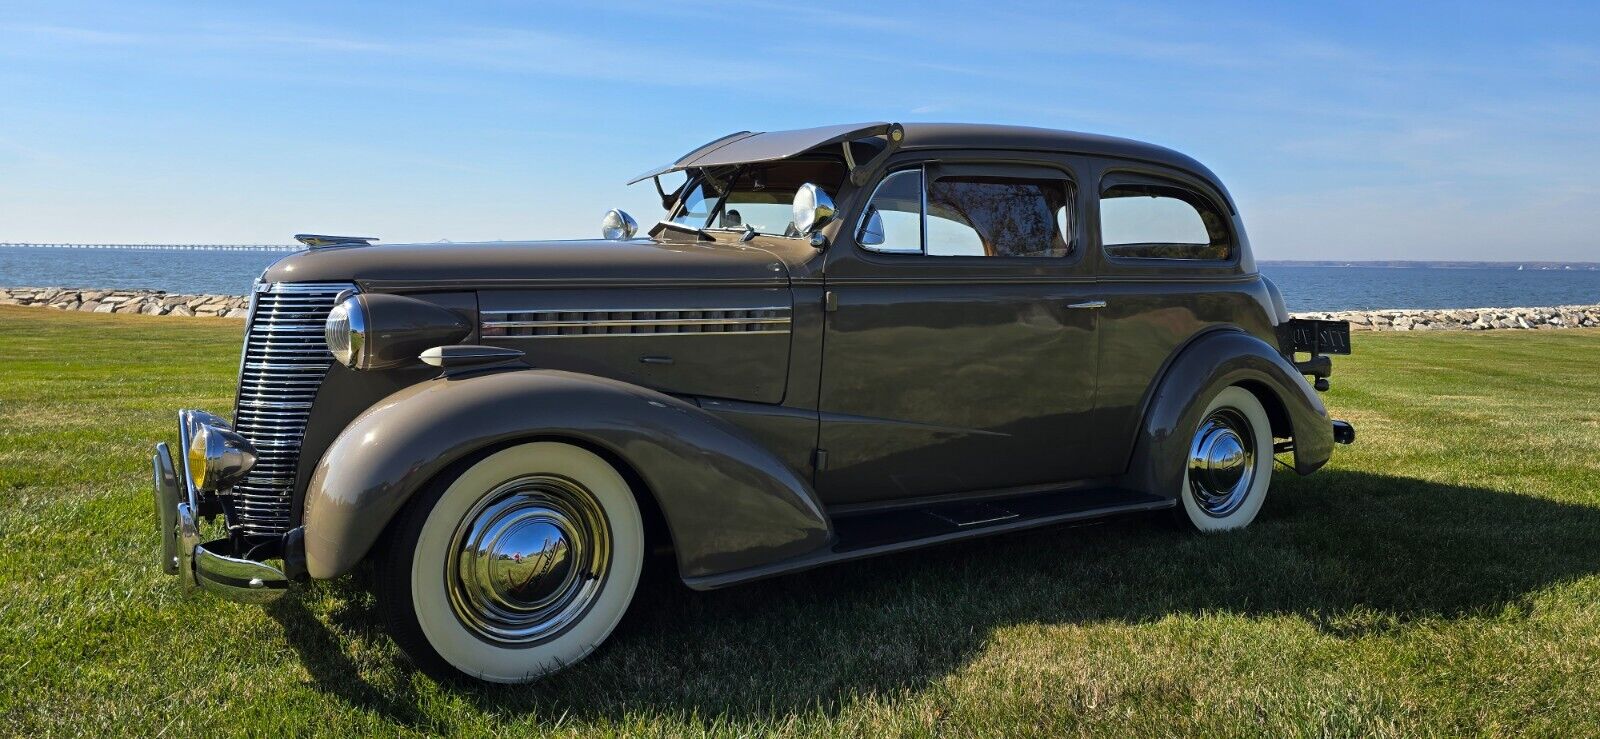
285, 358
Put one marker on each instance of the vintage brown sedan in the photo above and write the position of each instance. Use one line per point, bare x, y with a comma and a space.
994, 329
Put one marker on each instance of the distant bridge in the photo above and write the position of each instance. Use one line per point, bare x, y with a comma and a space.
164, 247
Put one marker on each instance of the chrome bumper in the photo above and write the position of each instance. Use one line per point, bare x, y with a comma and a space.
196, 563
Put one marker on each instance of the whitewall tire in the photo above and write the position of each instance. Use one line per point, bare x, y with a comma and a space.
1227, 466
517, 567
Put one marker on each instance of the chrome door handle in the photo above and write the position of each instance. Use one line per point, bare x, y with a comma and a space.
1088, 304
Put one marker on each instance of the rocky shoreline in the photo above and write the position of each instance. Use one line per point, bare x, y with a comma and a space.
158, 303
148, 302
1465, 319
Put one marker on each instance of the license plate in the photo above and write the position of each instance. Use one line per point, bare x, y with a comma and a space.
1320, 337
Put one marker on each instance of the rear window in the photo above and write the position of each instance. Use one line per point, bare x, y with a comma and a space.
1160, 221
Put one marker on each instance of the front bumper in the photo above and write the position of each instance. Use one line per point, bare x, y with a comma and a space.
196, 563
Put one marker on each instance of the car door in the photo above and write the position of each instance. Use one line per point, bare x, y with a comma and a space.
959, 349
1173, 264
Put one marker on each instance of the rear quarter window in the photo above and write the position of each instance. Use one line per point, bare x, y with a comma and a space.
1155, 220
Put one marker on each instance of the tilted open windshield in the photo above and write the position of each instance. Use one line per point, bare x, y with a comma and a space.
756, 196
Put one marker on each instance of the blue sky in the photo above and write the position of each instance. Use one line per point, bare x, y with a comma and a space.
1364, 131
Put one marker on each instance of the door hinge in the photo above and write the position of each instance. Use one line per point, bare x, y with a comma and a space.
819, 459
830, 301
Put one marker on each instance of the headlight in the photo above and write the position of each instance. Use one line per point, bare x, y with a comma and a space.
378, 330
346, 332
218, 457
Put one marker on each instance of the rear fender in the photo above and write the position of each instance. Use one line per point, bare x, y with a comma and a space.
729, 503
1202, 369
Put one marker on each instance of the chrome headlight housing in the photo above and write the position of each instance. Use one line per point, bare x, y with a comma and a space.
369, 331
218, 456
346, 332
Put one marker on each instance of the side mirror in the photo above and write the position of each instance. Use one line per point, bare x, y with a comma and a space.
812, 209
618, 226
872, 233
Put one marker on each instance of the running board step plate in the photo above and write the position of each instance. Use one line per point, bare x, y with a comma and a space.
868, 533
902, 528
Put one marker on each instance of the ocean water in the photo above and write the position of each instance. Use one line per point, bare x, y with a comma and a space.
1308, 288
175, 271
1304, 287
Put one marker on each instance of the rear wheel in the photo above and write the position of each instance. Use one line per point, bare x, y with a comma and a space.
519, 566
1229, 464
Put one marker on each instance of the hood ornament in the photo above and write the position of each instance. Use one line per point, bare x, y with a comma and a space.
317, 241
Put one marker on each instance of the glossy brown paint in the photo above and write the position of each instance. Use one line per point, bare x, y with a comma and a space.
931, 378
931, 388
729, 503
345, 393
738, 366
943, 374
568, 264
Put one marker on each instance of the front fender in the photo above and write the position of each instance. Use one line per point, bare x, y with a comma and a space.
1203, 368
728, 502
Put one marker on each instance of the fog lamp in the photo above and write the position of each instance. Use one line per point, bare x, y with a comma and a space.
218, 457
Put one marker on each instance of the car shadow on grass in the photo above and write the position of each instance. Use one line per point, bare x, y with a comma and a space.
1351, 553
325, 654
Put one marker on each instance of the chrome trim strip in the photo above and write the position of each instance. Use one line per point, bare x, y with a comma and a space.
639, 323
767, 319
568, 283
498, 311
784, 332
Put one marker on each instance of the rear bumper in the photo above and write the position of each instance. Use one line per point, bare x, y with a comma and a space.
206, 565
1343, 433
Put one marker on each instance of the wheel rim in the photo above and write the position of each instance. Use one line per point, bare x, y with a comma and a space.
528, 560
1222, 462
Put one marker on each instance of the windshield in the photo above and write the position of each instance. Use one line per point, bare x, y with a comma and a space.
756, 196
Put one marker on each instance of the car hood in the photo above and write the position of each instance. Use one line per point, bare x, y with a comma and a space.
532, 263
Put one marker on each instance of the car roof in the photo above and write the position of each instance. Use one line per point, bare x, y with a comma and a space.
750, 147
1028, 138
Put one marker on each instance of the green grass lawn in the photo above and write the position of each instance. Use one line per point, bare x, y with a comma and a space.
1441, 577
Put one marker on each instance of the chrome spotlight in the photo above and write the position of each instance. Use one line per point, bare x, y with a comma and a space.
618, 226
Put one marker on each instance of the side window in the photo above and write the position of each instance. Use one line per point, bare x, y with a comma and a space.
1157, 221
998, 217
893, 221
969, 215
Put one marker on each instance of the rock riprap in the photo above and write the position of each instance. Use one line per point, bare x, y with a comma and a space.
1465, 319
148, 302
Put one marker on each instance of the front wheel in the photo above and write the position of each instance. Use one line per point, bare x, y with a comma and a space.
519, 566
1229, 464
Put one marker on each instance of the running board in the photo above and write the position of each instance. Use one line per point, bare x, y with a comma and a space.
882, 532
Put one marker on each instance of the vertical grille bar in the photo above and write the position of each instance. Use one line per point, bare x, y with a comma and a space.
284, 360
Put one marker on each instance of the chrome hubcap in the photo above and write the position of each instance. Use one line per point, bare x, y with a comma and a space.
1222, 462
528, 560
